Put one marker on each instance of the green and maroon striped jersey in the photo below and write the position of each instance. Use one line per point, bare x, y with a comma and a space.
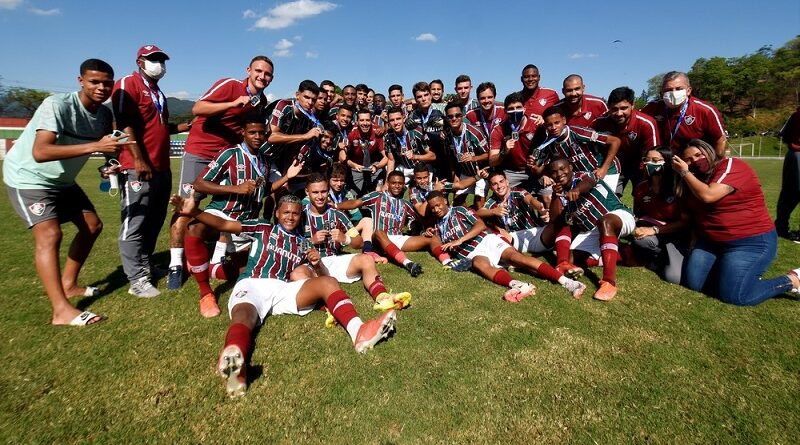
415, 140
520, 215
455, 224
234, 166
584, 148
329, 220
591, 206
275, 251
418, 195
470, 140
389, 214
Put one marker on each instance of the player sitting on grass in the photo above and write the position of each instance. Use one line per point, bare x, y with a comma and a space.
591, 207
235, 180
467, 236
391, 214
329, 231
264, 288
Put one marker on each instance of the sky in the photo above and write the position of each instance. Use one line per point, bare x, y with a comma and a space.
379, 43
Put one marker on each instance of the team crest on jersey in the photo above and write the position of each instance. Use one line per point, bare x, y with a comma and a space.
187, 187
689, 120
542, 102
240, 167
587, 115
529, 136
497, 121
37, 208
632, 135
136, 186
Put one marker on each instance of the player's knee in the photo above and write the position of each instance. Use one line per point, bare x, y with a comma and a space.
48, 237
94, 227
328, 284
611, 225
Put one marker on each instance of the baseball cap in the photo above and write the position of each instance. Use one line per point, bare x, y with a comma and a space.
148, 50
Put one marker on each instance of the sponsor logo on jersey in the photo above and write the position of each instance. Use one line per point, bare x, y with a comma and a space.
240, 167
37, 208
136, 186
689, 120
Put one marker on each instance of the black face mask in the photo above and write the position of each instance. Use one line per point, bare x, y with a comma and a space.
515, 117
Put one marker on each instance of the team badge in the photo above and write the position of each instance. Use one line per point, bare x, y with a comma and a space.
658, 118
647, 199
689, 120
187, 188
542, 102
148, 47
632, 135
587, 115
529, 136
37, 208
136, 186
240, 167
497, 121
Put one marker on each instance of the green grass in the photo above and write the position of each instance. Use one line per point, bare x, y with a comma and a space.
659, 364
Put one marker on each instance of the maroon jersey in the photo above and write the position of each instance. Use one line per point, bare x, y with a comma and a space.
516, 159
539, 100
359, 144
699, 120
651, 207
638, 136
592, 107
484, 123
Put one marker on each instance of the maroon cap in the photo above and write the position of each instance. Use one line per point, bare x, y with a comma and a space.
148, 50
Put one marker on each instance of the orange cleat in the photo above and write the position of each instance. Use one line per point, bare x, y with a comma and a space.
375, 330
208, 306
606, 291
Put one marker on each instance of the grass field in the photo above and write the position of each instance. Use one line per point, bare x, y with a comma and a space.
659, 364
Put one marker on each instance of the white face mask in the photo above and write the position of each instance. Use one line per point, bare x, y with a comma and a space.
675, 98
154, 70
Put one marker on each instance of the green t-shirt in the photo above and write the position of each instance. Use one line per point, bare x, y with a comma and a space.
64, 115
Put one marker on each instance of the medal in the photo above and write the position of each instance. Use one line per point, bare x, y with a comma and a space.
515, 135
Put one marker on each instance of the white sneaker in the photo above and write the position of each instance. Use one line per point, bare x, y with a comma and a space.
575, 287
142, 288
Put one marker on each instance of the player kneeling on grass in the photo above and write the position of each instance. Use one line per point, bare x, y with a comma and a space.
591, 207
263, 288
467, 236
330, 231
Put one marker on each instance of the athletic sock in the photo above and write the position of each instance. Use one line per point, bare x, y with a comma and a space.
502, 278
239, 335
227, 271
376, 288
220, 248
608, 251
563, 242
175, 256
342, 309
367, 246
396, 254
440, 255
197, 260
547, 272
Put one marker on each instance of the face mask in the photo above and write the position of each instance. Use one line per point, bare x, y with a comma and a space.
154, 70
515, 117
653, 168
675, 98
699, 166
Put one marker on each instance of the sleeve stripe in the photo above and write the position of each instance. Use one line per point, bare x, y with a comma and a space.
211, 91
652, 128
714, 112
727, 170
122, 96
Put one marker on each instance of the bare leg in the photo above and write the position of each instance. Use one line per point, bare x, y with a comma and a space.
89, 228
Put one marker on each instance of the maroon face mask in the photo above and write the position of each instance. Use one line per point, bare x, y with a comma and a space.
699, 166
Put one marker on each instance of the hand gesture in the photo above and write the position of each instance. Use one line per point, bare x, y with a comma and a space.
537, 119
319, 236
246, 187
337, 235
184, 206
313, 133
240, 101
313, 257
679, 165
294, 169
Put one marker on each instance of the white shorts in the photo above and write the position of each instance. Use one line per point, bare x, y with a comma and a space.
528, 240
398, 240
241, 242
492, 247
269, 296
477, 189
611, 181
337, 267
590, 241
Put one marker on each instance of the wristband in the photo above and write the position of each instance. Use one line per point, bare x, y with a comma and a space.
347, 240
352, 233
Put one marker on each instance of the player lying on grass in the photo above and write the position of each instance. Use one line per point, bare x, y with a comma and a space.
264, 288
391, 214
467, 237
590, 207
330, 231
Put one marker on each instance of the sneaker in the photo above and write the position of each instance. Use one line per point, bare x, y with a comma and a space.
796, 273
414, 269
461, 265
519, 291
386, 301
576, 288
606, 291
375, 330
142, 288
569, 270
208, 306
175, 277
230, 367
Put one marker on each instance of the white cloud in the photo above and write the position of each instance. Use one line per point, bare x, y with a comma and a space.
297, 38
311, 55
45, 12
180, 95
426, 37
284, 15
9, 4
249, 14
582, 56
282, 48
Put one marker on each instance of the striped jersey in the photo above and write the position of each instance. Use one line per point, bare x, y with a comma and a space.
486, 125
329, 220
415, 140
418, 195
344, 195
583, 147
591, 206
470, 140
234, 166
455, 224
275, 251
520, 215
431, 122
389, 214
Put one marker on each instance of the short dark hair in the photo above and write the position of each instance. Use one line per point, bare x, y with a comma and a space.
495, 172
513, 97
439, 81
435, 194
421, 167
347, 107
308, 85
364, 110
395, 87
394, 173
453, 104
314, 178
263, 59
557, 159
253, 117
393, 109
362, 87
348, 86
327, 83
620, 94
463, 78
377, 95
550, 111
487, 86
96, 65
420, 86
339, 169
530, 66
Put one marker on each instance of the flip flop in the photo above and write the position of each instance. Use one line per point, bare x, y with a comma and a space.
85, 318
91, 291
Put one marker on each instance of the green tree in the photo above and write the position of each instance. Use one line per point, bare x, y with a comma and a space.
654, 86
26, 100
713, 80
786, 65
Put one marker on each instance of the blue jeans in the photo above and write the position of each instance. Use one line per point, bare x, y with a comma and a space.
739, 265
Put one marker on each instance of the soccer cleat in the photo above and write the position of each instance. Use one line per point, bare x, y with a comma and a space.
375, 330
606, 291
208, 306
518, 292
414, 269
330, 320
142, 288
377, 258
175, 277
461, 265
386, 301
576, 288
569, 270
230, 367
